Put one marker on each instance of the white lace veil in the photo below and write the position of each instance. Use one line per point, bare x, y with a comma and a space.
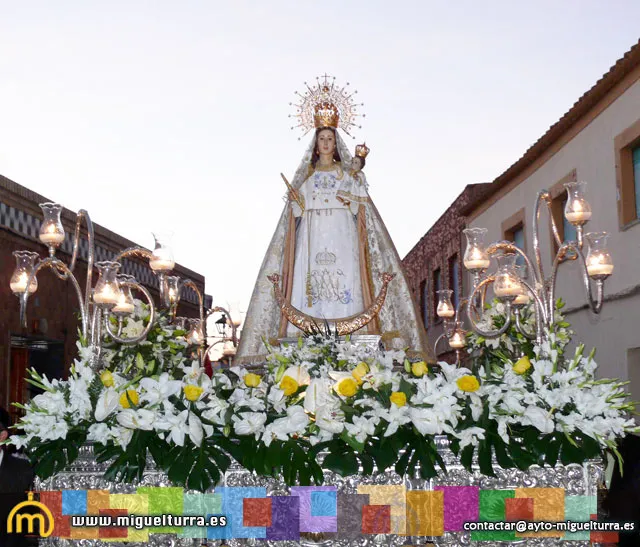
302, 172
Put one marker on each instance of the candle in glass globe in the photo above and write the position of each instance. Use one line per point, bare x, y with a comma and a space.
161, 259
123, 306
457, 340
506, 286
578, 212
161, 264
522, 299
596, 265
51, 231
599, 261
19, 284
476, 260
51, 236
444, 310
107, 295
172, 295
25, 264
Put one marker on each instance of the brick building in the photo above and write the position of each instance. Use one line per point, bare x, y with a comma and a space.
49, 341
435, 262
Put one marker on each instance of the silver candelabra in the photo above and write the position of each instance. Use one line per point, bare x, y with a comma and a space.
111, 295
508, 281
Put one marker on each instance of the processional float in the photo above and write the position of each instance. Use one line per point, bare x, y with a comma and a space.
414, 480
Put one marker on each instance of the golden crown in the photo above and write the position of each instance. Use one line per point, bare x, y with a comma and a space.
326, 115
362, 151
326, 104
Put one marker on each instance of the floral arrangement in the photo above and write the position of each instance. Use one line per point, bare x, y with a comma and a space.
360, 407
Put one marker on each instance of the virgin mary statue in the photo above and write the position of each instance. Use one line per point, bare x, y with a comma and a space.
330, 248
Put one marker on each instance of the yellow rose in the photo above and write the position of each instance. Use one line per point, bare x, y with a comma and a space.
522, 365
347, 387
192, 393
130, 394
361, 369
107, 378
398, 398
252, 380
419, 369
468, 383
289, 385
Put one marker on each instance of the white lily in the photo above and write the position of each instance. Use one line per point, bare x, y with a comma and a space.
296, 421
99, 433
136, 419
51, 402
361, 427
159, 390
330, 418
277, 399
249, 423
240, 398
299, 374
318, 394
471, 435
196, 432
539, 418
108, 402
175, 425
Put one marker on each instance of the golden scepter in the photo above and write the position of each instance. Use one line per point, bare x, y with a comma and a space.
296, 197
292, 193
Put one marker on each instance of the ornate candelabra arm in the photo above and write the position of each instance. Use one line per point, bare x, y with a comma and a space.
461, 303
474, 324
554, 226
152, 316
57, 266
542, 318
96, 336
192, 285
82, 213
520, 326
140, 252
543, 197
435, 346
596, 305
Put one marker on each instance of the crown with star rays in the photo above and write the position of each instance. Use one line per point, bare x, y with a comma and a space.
326, 104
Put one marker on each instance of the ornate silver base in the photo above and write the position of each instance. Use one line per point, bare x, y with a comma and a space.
371, 341
86, 473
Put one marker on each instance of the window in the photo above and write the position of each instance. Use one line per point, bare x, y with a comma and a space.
454, 274
424, 303
627, 154
513, 230
569, 232
566, 230
437, 285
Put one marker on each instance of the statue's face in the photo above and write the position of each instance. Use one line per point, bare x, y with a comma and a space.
356, 163
326, 142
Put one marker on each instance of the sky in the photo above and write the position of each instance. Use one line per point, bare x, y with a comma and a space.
173, 116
